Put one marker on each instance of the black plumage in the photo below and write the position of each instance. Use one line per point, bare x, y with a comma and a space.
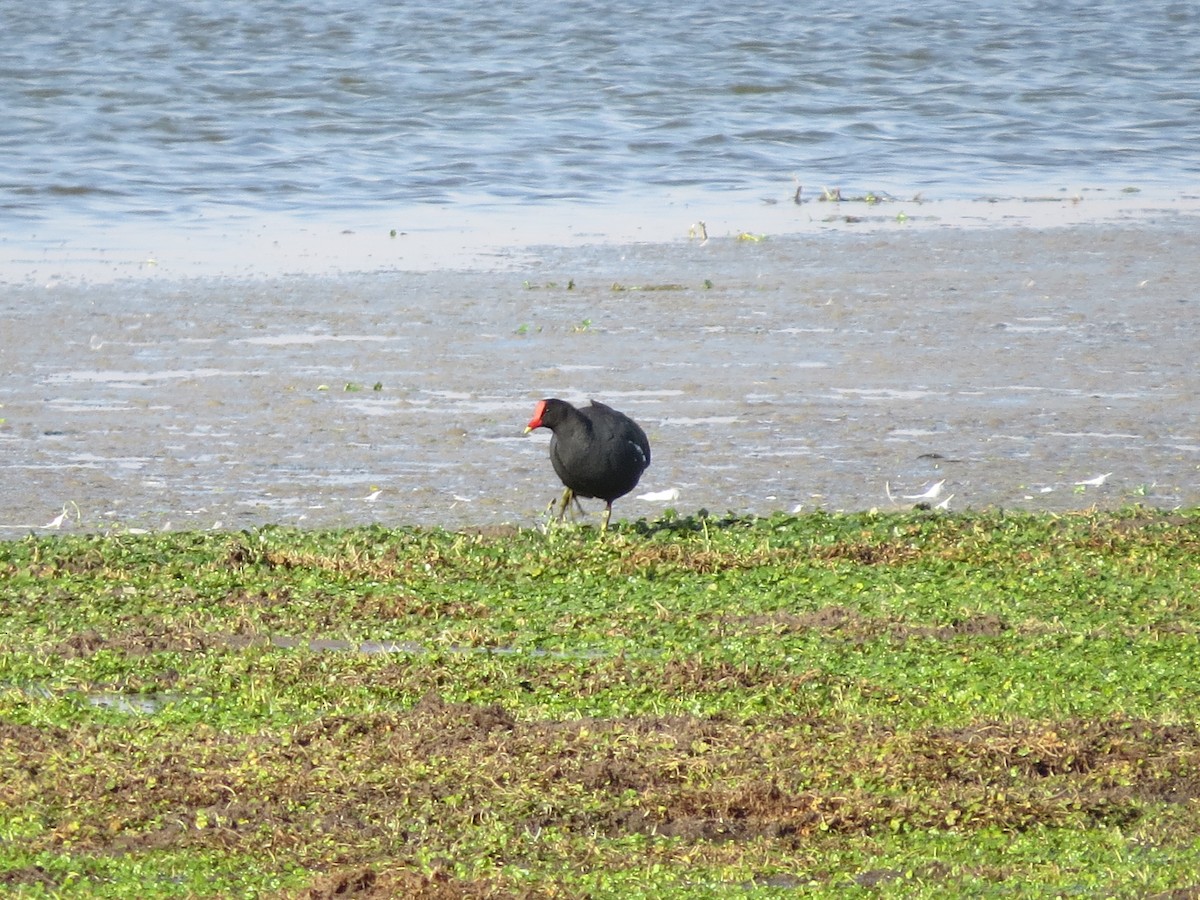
596, 451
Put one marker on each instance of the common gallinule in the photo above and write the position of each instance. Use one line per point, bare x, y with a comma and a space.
596, 451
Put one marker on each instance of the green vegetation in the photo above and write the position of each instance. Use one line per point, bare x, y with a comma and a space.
907, 705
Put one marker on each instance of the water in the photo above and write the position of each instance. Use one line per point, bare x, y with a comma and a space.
195, 115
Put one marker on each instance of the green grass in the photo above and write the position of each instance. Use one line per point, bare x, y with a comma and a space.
909, 705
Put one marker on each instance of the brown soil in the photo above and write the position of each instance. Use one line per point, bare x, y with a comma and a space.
782, 780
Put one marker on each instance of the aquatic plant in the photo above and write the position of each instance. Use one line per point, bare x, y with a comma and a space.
916, 704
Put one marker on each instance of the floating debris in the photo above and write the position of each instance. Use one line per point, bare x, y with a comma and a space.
660, 496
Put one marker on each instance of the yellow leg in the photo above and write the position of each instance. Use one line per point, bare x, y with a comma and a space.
567, 497
607, 514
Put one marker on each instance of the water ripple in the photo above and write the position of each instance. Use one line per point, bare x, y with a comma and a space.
147, 108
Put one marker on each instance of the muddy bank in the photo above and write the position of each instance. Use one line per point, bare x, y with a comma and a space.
835, 369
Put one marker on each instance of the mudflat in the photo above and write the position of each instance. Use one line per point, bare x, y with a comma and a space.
1015, 366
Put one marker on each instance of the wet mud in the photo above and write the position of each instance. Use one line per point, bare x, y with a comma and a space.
1004, 366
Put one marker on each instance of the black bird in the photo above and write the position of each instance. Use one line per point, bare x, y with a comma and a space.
596, 451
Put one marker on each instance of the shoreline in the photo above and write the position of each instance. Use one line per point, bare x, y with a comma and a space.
498, 238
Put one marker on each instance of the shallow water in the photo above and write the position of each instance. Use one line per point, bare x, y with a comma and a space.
200, 119
168, 111
840, 370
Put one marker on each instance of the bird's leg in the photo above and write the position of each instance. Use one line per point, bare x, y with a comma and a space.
607, 514
567, 496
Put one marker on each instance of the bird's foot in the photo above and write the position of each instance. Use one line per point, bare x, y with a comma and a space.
556, 511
